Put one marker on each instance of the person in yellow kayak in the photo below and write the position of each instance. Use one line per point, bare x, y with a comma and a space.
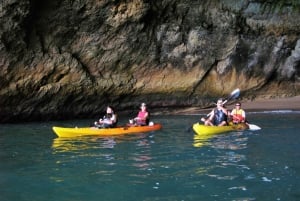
109, 120
218, 116
142, 119
238, 115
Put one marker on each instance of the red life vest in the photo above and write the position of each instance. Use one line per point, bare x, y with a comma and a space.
142, 115
237, 116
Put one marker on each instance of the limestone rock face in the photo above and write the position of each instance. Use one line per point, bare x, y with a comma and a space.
70, 58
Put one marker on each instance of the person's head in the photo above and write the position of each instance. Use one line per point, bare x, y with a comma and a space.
238, 105
220, 102
143, 106
109, 110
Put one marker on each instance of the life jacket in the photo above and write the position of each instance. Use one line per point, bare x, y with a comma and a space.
219, 116
237, 116
143, 121
108, 116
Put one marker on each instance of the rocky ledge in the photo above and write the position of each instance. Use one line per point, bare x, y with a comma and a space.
70, 58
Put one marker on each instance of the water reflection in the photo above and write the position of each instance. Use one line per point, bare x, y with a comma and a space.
161, 166
202, 140
142, 157
104, 155
80, 144
222, 152
232, 140
84, 143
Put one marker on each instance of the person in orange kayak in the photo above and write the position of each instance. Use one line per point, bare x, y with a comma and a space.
238, 115
142, 119
109, 120
218, 116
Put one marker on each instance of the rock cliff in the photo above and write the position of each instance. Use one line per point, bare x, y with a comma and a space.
70, 58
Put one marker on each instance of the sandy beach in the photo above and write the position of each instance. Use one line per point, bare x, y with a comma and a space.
290, 103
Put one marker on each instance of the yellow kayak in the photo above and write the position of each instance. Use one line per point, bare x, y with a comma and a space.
201, 129
88, 131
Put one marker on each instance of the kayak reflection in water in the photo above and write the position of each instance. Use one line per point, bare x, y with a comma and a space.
218, 116
109, 120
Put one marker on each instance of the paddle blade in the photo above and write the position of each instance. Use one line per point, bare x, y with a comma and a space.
234, 94
253, 127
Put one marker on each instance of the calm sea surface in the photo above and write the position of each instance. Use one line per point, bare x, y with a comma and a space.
170, 164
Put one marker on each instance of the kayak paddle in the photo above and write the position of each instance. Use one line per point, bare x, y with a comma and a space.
253, 127
234, 94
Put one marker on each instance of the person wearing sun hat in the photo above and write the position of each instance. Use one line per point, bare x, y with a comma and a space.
238, 114
142, 118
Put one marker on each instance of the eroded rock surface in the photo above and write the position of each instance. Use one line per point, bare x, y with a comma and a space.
70, 58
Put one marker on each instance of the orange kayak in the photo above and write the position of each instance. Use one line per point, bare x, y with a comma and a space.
88, 131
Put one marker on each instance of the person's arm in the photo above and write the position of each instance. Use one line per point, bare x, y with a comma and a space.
100, 121
139, 117
244, 114
145, 116
113, 119
224, 110
211, 115
109, 120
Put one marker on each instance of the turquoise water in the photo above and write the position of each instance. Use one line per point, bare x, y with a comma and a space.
170, 164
